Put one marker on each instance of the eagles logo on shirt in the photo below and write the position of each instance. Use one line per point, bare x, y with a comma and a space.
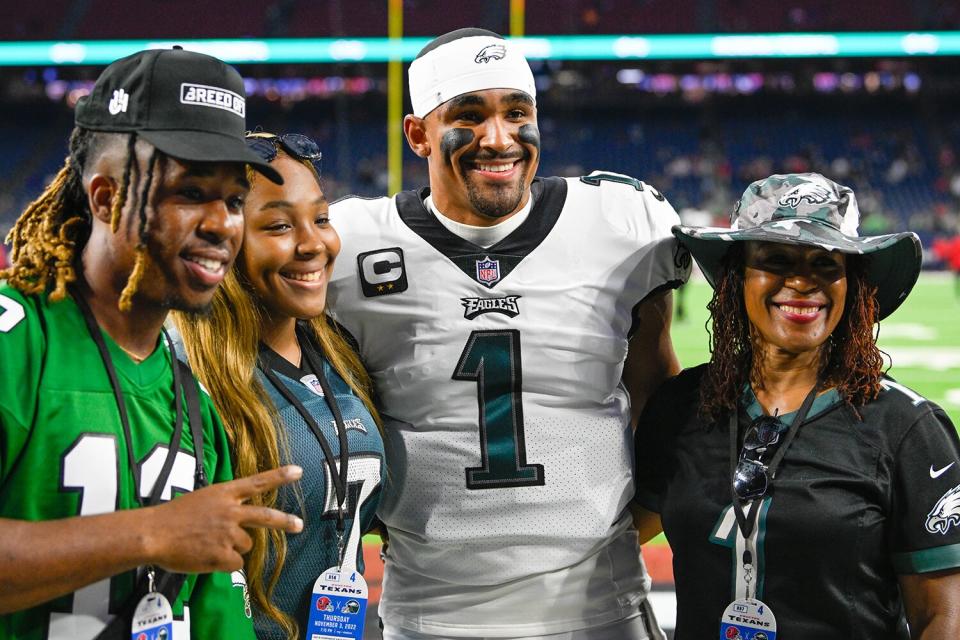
946, 513
239, 579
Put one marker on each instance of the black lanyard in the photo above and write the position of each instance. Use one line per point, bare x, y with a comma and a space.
747, 521
337, 476
193, 409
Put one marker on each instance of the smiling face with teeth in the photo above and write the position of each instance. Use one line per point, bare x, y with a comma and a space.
194, 226
289, 245
482, 149
794, 295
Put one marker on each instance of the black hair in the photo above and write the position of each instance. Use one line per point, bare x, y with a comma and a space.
468, 32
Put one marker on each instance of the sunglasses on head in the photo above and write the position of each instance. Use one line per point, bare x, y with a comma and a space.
751, 478
296, 145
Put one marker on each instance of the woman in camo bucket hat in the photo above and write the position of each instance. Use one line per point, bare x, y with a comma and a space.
834, 487
809, 209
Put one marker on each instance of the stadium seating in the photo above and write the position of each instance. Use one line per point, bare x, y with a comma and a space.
54, 19
890, 160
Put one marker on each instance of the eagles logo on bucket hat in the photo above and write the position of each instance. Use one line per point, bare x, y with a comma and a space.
809, 209
188, 105
464, 61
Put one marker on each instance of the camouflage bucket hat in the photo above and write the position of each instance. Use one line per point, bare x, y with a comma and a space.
809, 209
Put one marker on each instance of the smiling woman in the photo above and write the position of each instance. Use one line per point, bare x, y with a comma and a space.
289, 386
794, 296
790, 464
289, 249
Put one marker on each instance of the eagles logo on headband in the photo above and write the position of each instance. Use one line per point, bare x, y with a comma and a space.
463, 61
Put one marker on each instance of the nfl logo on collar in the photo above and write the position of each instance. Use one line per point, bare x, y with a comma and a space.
488, 271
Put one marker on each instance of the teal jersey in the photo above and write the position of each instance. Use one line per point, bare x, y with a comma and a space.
314, 550
63, 453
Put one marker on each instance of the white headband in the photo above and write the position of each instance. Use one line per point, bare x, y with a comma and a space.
467, 64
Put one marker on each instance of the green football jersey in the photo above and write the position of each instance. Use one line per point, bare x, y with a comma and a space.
63, 453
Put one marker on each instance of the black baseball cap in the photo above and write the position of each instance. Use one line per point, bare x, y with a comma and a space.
188, 105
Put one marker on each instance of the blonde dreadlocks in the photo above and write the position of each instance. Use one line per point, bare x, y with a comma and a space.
51, 232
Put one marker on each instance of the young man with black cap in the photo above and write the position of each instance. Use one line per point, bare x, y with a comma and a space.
494, 311
95, 421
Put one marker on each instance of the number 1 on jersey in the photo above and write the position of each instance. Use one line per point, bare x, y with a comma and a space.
492, 360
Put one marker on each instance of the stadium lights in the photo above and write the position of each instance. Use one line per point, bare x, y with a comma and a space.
610, 47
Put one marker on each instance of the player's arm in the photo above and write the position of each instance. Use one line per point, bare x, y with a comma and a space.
198, 532
932, 603
650, 356
647, 523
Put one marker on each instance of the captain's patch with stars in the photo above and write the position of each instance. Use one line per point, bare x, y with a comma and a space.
382, 272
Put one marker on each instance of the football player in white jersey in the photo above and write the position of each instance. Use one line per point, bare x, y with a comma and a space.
512, 325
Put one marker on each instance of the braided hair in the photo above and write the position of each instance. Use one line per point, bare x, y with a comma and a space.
50, 234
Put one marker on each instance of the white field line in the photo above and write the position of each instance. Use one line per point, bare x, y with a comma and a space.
953, 397
935, 358
909, 330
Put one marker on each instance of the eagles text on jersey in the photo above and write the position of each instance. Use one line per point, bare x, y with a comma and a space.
498, 369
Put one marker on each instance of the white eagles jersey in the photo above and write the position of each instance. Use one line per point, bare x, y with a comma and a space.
498, 370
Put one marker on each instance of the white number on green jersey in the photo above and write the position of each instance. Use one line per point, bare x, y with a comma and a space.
91, 468
11, 314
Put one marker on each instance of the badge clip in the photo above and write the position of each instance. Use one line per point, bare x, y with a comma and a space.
153, 617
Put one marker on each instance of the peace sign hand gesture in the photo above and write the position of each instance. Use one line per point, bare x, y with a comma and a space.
204, 530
